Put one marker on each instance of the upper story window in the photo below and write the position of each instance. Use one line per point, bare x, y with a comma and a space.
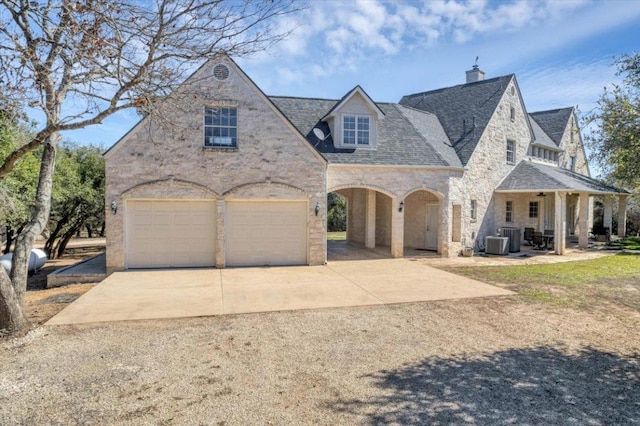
356, 130
221, 127
572, 163
512, 114
511, 152
474, 209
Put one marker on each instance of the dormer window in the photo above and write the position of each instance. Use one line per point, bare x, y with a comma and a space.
356, 129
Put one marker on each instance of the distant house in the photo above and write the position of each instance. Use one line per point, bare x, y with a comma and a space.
232, 177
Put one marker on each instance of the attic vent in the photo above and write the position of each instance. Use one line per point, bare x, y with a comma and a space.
221, 72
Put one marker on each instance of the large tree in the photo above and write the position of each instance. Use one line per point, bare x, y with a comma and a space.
615, 142
78, 62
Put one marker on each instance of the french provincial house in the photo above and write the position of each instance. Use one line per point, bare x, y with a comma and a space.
233, 177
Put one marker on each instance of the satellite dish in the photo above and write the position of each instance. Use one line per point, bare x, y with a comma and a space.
319, 134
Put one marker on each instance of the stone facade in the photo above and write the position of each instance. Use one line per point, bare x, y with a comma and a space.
165, 159
394, 185
573, 146
393, 205
488, 166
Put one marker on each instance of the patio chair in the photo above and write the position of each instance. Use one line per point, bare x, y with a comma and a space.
549, 233
528, 235
538, 241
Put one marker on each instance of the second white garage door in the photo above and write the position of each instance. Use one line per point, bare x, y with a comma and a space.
266, 233
170, 233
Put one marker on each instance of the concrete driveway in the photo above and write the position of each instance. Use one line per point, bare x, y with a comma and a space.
176, 293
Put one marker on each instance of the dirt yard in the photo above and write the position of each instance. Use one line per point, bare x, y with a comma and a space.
43, 303
505, 360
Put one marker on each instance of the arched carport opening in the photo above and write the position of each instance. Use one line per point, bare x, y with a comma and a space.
368, 224
422, 218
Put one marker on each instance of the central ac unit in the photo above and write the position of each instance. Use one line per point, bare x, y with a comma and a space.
497, 245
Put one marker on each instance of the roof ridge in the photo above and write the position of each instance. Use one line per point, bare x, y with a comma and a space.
460, 85
302, 98
551, 110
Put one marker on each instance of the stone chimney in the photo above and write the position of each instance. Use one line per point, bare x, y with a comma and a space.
475, 74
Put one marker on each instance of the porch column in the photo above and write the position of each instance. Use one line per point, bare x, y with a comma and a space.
542, 209
560, 231
608, 213
370, 220
397, 229
583, 220
622, 216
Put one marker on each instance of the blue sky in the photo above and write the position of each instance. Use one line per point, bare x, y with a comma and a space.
561, 51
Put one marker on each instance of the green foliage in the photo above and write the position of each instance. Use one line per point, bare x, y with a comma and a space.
615, 143
78, 193
336, 213
17, 189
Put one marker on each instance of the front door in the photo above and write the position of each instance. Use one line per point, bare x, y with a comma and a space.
431, 235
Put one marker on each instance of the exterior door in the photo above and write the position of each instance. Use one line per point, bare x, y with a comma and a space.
431, 234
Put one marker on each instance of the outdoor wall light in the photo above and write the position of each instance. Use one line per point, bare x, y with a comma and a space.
317, 209
401, 206
114, 207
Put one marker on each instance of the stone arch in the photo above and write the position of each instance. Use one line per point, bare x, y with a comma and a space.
259, 189
169, 188
388, 193
438, 194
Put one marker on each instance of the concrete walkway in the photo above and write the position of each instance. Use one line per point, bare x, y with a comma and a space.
175, 293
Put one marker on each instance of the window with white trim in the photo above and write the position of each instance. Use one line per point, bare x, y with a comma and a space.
508, 217
474, 209
512, 114
511, 152
221, 127
533, 209
356, 129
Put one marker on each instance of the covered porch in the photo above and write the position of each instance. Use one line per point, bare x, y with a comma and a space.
557, 203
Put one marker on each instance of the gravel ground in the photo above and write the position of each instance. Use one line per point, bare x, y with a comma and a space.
481, 361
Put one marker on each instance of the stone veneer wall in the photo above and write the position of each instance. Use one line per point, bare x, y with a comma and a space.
398, 183
488, 166
574, 148
271, 160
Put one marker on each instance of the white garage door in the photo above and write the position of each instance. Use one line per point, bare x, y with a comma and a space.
169, 233
266, 233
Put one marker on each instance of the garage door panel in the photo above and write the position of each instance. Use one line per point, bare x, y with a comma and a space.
266, 233
163, 233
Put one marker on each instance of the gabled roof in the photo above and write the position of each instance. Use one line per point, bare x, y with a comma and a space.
400, 141
528, 176
542, 139
350, 94
553, 122
464, 103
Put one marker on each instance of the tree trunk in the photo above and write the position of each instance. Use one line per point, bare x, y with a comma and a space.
48, 246
7, 247
12, 317
89, 234
102, 229
39, 219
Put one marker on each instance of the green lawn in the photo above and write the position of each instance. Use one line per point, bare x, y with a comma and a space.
337, 236
631, 243
581, 284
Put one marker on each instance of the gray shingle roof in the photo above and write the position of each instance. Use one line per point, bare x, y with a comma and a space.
553, 122
541, 137
530, 176
468, 103
400, 142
